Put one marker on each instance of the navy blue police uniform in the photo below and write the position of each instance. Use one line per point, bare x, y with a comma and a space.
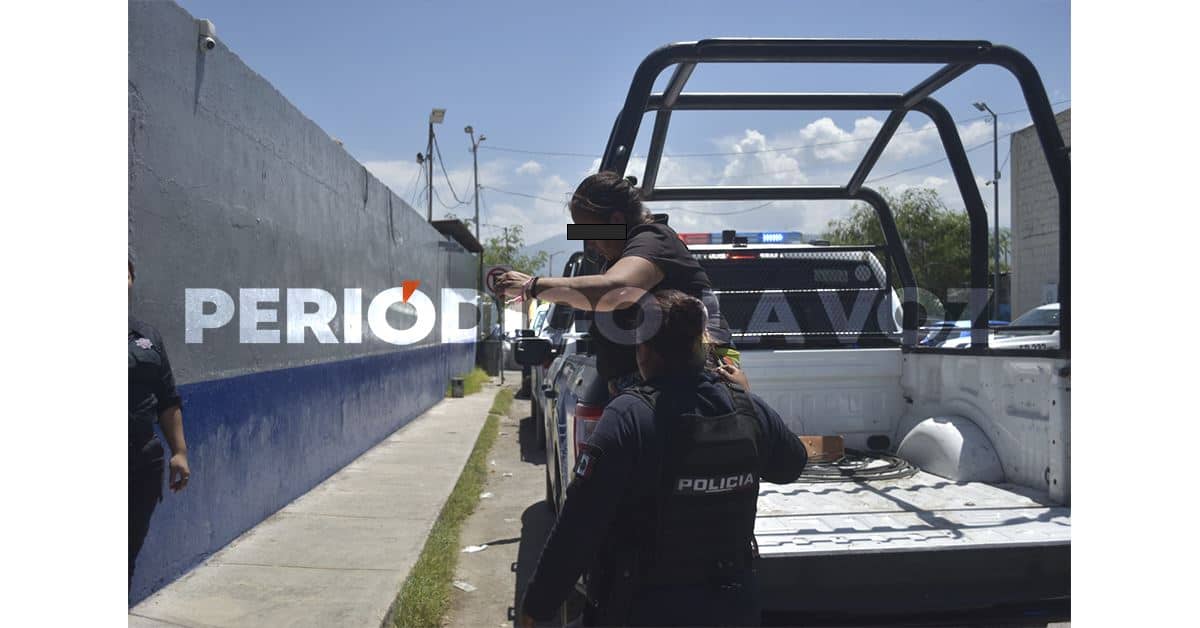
659, 515
151, 391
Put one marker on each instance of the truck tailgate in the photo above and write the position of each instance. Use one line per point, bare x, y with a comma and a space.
923, 513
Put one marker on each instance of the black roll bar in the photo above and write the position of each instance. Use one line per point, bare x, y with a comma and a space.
956, 57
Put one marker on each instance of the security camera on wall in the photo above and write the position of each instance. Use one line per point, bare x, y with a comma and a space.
208, 34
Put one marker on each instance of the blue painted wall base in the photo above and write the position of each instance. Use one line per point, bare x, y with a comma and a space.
256, 442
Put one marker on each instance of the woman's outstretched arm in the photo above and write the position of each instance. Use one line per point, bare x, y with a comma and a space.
621, 284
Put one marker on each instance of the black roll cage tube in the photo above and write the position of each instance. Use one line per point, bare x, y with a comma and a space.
957, 56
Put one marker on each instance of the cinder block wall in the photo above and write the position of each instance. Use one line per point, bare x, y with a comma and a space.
1034, 219
230, 187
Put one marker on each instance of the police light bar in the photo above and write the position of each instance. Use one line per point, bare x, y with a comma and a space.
696, 238
744, 255
752, 237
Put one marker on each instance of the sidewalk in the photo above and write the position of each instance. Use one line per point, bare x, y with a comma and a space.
338, 555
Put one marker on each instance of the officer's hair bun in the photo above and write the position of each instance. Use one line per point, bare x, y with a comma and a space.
684, 319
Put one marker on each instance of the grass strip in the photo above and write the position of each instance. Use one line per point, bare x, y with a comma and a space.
472, 382
425, 596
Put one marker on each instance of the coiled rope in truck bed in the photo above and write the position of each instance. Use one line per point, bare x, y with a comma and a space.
858, 465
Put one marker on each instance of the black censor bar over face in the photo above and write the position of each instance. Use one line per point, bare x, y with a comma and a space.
596, 232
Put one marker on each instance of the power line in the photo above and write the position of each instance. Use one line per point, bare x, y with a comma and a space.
888, 176
441, 162
872, 180
729, 213
769, 203
412, 187
927, 128
926, 165
539, 152
438, 198
540, 198
947, 158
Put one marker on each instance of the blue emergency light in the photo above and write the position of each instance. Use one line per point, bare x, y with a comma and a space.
765, 237
752, 237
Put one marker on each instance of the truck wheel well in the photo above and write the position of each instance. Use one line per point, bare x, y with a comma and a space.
952, 447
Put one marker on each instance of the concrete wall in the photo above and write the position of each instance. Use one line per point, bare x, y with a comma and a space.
231, 187
1034, 220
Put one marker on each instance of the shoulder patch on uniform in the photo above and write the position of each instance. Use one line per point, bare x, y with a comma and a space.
585, 465
143, 343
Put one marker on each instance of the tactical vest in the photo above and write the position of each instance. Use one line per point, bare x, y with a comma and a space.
705, 504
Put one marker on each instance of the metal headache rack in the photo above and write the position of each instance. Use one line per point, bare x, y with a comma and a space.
851, 289
957, 56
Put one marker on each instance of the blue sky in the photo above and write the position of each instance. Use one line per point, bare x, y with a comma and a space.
550, 77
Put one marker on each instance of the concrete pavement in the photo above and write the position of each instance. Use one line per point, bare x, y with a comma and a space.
338, 555
513, 523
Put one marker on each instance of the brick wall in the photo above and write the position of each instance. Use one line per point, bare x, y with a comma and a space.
1034, 220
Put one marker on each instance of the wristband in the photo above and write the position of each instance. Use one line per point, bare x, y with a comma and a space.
533, 288
525, 288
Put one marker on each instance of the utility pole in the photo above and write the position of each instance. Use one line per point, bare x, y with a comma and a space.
503, 311
982, 106
475, 159
435, 117
469, 130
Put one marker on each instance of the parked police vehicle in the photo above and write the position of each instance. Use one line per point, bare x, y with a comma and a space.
954, 492
1035, 329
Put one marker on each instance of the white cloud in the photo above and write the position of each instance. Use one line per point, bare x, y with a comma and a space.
828, 142
530, 167
755, 161
400, 176
541, 209
671, 172
820, 152
976, 132
934, 182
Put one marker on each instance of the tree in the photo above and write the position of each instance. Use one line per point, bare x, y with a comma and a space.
936, 239
503, 250
468, 221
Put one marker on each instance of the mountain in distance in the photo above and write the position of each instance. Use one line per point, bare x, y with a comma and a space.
558, 244
563, 248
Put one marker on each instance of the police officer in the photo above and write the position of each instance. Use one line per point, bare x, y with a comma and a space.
660, 511
152, 398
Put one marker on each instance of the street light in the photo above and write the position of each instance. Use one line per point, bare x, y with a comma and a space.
435, 117
995, 183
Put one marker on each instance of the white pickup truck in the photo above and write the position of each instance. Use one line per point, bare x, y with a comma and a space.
984, 520
955, 493
985, 442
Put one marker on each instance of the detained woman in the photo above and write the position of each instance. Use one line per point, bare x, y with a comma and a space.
652, 257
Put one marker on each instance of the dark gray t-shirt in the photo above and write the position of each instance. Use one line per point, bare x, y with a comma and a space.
661, 245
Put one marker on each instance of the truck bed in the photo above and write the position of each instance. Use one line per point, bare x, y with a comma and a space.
922, 512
